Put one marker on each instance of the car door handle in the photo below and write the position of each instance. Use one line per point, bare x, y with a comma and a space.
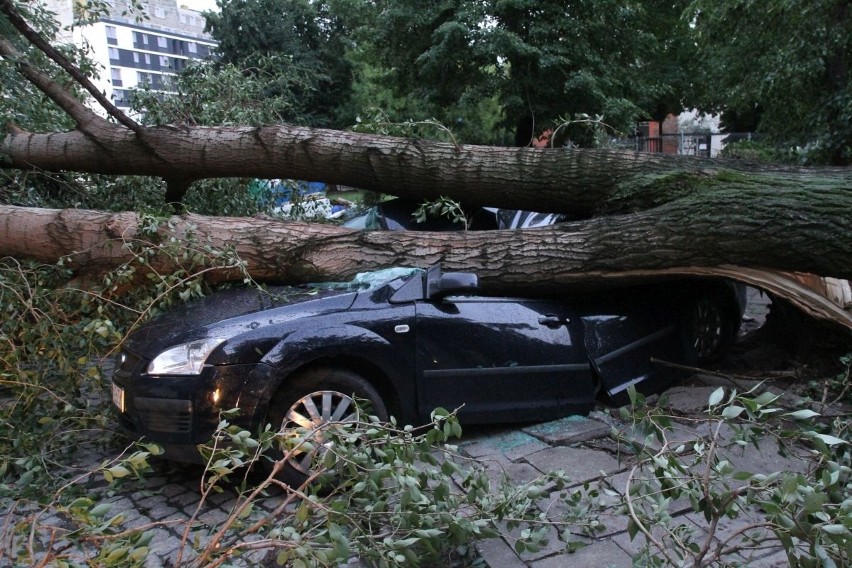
552, 321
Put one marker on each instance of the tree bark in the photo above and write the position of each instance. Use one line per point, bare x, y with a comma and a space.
597, 252
580, 183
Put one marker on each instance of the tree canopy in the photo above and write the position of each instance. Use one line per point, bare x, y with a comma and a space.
543, 60
297, 47
781, 67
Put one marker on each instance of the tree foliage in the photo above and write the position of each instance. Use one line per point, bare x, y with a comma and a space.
782, 67
542, 59
296, 47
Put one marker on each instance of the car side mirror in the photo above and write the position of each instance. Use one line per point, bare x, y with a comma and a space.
455, 283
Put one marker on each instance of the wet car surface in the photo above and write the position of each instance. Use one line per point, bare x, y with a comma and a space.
408, 344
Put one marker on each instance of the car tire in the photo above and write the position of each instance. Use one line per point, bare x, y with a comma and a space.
312, 399
708, 328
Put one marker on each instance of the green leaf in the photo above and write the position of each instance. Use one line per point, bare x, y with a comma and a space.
716, 396
830, 440
803, 414
632, 528
732, 412
100, 510
835, 529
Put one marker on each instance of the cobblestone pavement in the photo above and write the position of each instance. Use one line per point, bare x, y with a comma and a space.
582, 447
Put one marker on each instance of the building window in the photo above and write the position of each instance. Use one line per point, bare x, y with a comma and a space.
143, 78
147, 59
162, 42
144, 38
121, 98
135, 57
116, 76
164, 61
193, 47
159, 12
113, 53
112, 39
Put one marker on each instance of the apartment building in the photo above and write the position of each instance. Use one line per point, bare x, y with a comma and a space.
132, 53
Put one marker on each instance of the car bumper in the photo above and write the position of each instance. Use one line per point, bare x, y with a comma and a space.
180, 412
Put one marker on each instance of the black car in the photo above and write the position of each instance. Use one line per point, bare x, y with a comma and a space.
408, 344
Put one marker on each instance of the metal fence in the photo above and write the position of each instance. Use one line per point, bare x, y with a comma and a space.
686, 143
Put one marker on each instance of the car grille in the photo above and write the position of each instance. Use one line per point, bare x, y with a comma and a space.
164, 415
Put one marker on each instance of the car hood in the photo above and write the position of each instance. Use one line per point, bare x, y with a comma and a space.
231, 312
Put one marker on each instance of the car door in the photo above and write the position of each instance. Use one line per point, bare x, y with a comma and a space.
503, 359
625, 337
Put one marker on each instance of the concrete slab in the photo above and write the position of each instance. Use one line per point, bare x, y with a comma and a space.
731, 531
600, 554
553, 546
513, 473
512, 445
568, 430
688, 399
497, 553
600, 516
579, 464
765, 458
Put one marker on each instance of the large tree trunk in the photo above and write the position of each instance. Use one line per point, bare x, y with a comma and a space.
581, 183
591, 253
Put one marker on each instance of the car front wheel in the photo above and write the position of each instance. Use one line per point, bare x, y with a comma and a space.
310, 404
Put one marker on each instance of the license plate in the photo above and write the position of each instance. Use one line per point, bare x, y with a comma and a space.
118, 397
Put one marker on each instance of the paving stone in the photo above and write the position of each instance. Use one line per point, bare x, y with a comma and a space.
553, 546
689, 399
763, 459
634, 546
149, 503
183, 500
836, 410
512, 445
568, 430
600, 554
498, 554
213, 517
774, 560
600, 511
707, 429
514, 473
727, 527
619, 483
169, 490
629, 434
579, 464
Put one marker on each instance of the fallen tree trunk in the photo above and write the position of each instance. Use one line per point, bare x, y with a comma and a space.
581, 183
590, 253
707, 230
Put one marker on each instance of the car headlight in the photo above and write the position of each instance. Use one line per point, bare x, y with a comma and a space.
184, 359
